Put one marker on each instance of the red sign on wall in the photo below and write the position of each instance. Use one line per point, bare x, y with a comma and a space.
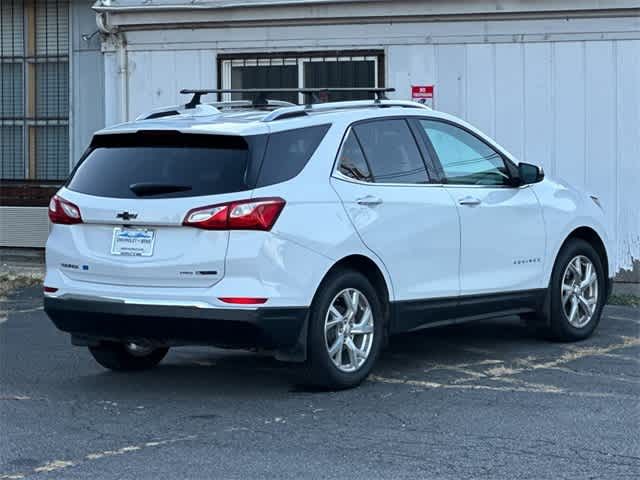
422, 94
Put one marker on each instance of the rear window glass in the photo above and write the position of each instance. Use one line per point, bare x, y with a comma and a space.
162, 167
288, 152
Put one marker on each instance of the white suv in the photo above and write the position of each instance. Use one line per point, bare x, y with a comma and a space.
312, 231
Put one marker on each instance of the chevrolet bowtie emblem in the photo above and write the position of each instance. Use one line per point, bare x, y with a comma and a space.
127, 216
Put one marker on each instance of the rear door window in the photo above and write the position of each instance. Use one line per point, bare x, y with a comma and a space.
288, 152
181, 165
391, 151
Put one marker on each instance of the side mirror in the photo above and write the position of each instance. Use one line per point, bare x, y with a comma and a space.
529, 173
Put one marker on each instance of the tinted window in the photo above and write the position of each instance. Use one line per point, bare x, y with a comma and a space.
391, 152
351, 162
164, 170
288, 152
465, 159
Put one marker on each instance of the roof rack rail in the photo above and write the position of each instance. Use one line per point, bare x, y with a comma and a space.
300, 110
311, 95
169, 111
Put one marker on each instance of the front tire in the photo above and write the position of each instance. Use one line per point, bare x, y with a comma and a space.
346, 329
577, 292
122, 357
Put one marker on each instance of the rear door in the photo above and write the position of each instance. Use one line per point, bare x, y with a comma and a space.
411, 225
502, 228
134, 191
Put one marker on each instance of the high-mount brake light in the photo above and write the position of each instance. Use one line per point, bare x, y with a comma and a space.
63, 212
254, 214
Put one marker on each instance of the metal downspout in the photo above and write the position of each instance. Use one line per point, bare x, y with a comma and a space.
120, 42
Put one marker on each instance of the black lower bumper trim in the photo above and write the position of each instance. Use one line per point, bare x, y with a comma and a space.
268, 327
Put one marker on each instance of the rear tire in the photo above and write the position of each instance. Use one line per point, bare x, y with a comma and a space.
330, 363
576, 298
117, 357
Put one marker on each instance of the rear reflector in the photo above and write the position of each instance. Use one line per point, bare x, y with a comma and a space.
254, 214
63, 212
243, 300
50, 289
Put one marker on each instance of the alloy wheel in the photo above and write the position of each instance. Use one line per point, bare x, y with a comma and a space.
348, 330
579, 291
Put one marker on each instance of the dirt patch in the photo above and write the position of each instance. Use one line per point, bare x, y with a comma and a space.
13, 280
625, 299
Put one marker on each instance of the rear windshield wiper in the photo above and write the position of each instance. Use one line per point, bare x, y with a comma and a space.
143, 189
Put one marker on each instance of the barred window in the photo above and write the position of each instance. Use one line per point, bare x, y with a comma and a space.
34, 87
303, 69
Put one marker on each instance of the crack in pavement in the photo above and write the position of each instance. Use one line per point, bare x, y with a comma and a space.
573, 371
616, 317
574, 353
58, 465
531, 388
502, 373
618, 356
14, 397
4, 314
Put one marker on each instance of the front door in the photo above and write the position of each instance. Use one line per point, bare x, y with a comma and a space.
502, 228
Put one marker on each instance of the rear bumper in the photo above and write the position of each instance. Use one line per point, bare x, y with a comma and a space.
90, 320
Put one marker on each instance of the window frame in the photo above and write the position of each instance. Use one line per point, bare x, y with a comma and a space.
510, 166
425, 155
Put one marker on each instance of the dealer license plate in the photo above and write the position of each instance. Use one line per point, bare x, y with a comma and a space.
133, 242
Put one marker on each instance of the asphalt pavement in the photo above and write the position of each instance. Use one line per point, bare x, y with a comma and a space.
482, 400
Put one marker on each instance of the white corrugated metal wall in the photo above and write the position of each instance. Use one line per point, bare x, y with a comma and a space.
562, 93
573, 107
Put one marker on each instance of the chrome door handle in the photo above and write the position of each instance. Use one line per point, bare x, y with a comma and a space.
369, 200
469, 201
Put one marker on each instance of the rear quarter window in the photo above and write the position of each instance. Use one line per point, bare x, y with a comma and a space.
288, 152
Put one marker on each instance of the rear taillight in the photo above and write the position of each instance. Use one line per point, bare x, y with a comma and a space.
256, 214
50, 289
64, 212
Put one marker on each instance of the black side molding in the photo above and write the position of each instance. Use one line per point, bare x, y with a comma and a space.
415, 314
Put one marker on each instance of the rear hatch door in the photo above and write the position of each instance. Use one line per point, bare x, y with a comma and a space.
134, 191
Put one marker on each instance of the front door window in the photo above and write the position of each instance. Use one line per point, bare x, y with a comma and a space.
465, 159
